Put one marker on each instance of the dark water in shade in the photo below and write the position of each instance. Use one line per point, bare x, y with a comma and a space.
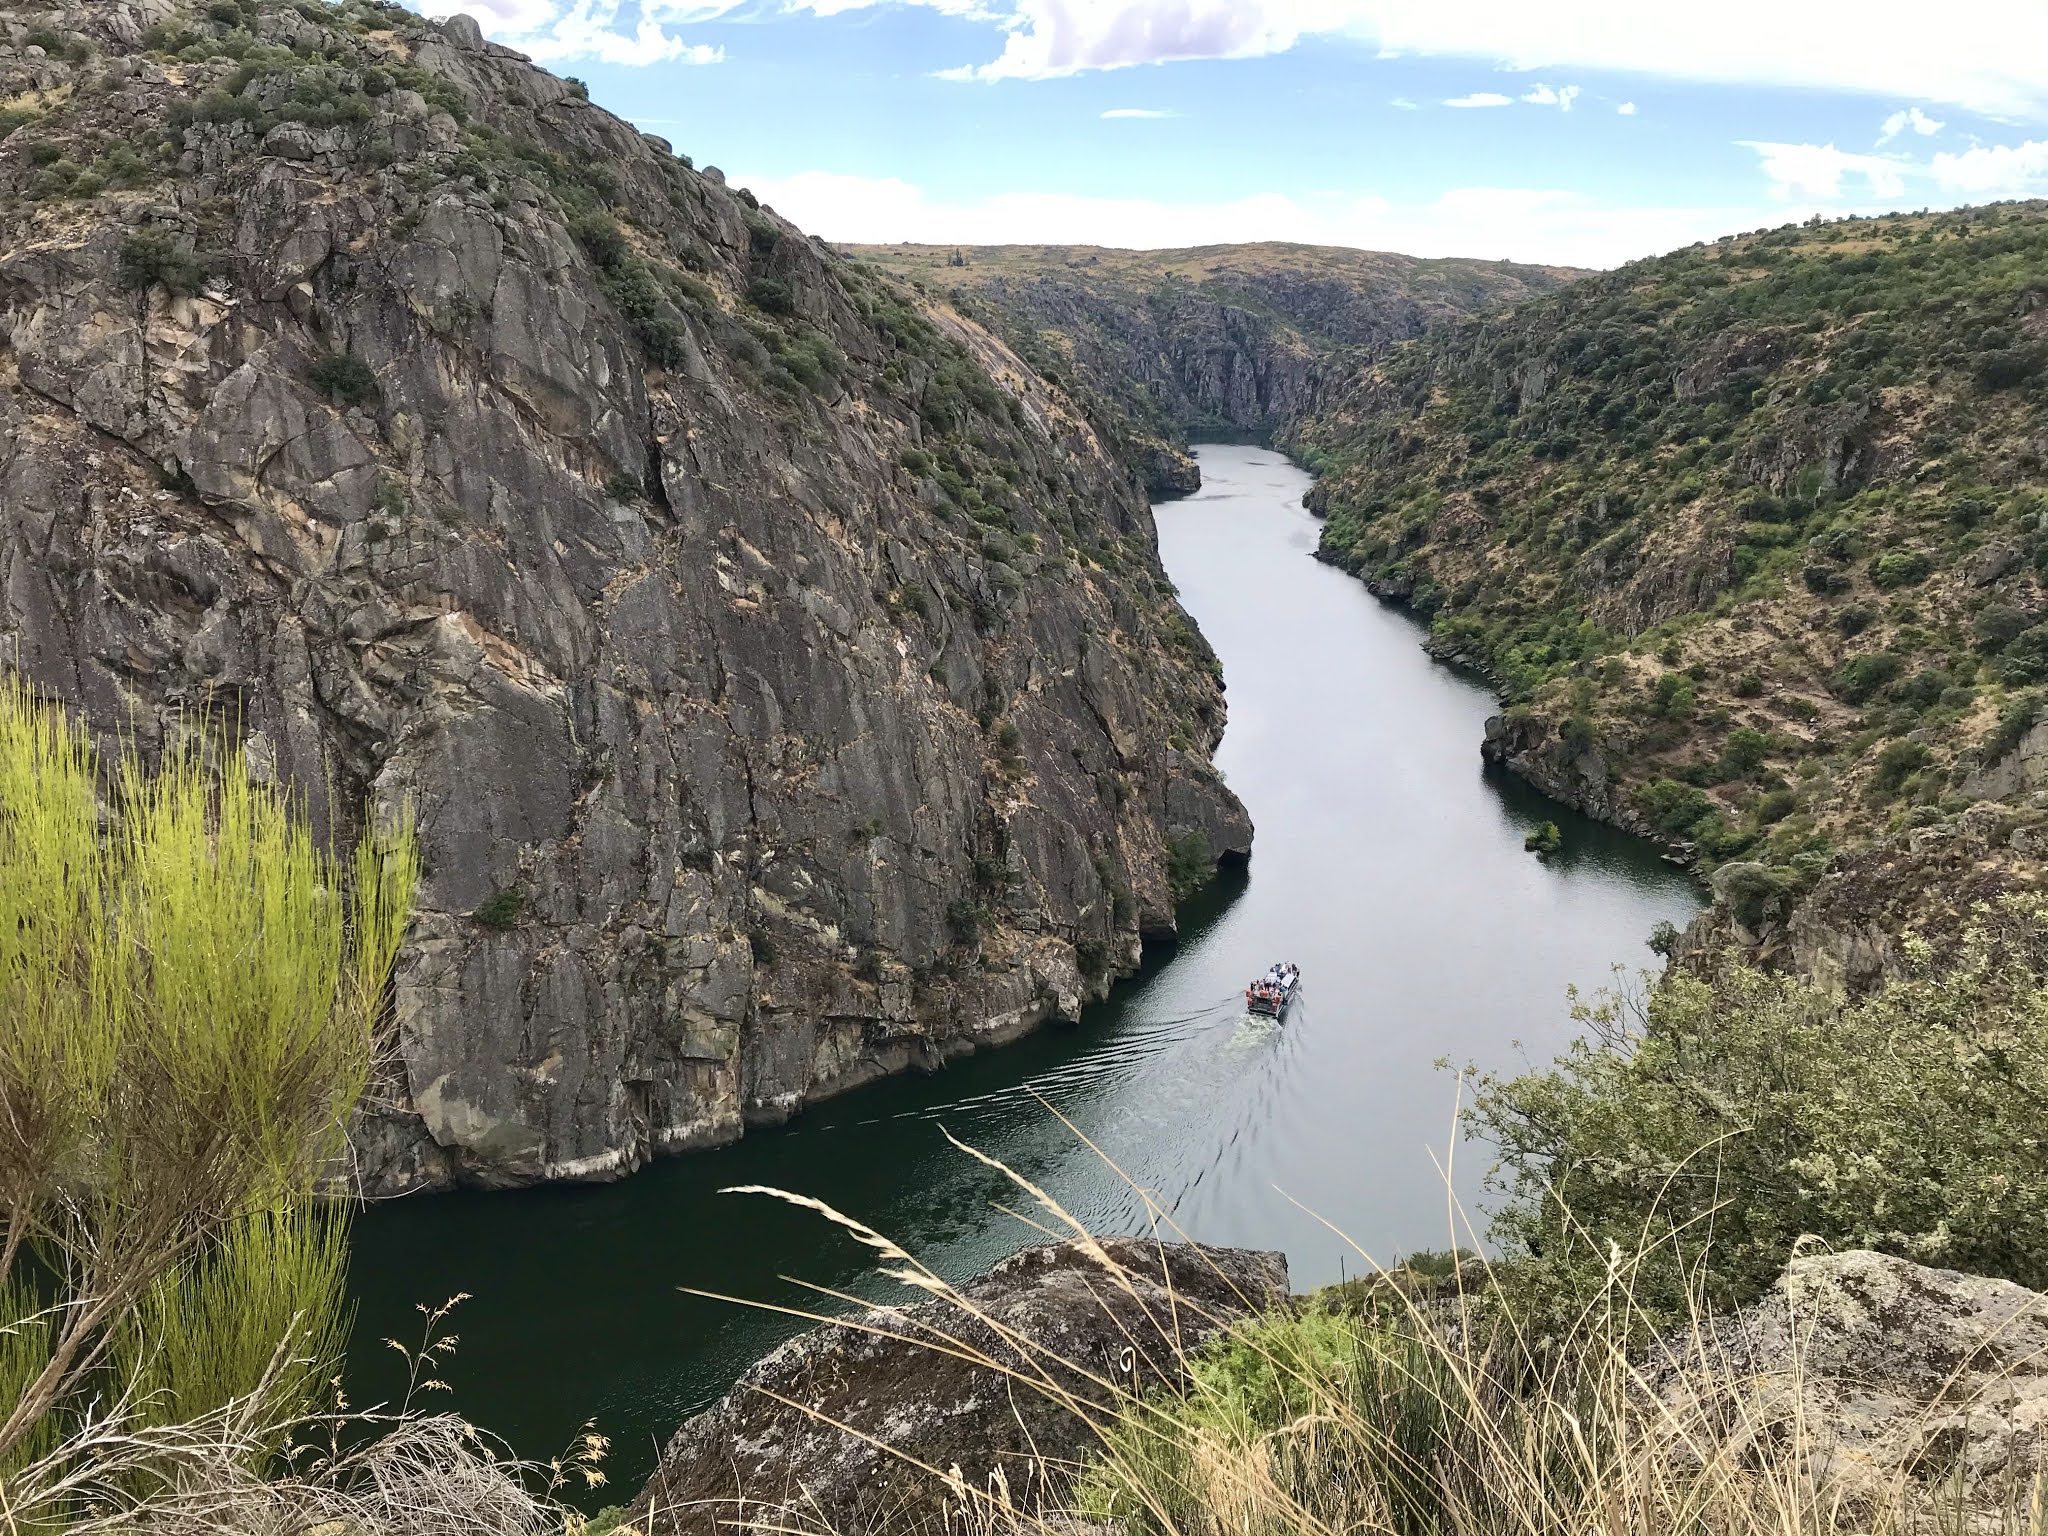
1387, 864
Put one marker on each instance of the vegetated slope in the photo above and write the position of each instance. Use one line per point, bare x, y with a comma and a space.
783, 675
1219, 343
1751, 534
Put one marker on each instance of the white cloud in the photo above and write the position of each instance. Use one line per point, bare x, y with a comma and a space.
1479, 99
1911, 117
1114, 112
1403, 103
1627, 109
1817, 172
1987, 55
555, 33
1525, 225
1541, 95
1823, 174
1994, 170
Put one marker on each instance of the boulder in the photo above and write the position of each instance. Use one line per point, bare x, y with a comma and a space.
1899, 1370
836, 1428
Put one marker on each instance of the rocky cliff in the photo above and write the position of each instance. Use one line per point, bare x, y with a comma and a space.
1215, 343
782, 674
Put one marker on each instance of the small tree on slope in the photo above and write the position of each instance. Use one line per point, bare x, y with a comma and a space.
188, 1001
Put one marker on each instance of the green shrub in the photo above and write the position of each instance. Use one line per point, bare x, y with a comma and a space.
601, 236
1860, 678
194, 994
1674, 809
150, 258
1997, 625
965, 918
1900, 568
1752, 1111
2025, 660
1898, 762
343, 378
502, 909
772, 295
1190, 863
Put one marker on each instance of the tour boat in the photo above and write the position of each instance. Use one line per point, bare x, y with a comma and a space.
1272, 992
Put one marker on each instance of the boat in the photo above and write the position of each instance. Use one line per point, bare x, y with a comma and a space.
1272, 992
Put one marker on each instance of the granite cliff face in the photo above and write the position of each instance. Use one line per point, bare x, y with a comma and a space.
782, 673
1218, 343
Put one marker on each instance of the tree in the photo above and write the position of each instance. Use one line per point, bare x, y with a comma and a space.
189, 995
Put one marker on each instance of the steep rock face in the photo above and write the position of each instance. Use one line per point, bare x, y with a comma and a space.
827, 1428
1218, 342
780, 672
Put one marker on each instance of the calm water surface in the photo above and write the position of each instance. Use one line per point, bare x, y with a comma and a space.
1387, 864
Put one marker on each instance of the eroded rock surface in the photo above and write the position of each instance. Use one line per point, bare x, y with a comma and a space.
826, 1429
781, 672
1897, 1370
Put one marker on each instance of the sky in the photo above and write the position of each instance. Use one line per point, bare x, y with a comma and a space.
1574, 132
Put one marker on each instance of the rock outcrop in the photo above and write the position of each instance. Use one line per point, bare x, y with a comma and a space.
1899, 1371
836, 1428
782, 673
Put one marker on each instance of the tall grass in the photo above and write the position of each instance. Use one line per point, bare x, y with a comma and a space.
190, 992
1423, 1407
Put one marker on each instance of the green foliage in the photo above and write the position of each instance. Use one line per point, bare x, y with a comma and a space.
209, 1329
1190, 863
1393, 1396
772, 295
192, 995
1900, 568
1674, 809
1897, 762
1861, 677
502, 909
343, 378
150, 258
2015, 719
1739, 1115
1545, 839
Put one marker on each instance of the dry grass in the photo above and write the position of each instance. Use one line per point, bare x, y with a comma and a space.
121, 1471
1431, 1413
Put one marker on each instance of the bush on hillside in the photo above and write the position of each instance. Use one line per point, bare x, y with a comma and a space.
1743, 1113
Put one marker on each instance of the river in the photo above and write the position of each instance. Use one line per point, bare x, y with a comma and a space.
1388, 864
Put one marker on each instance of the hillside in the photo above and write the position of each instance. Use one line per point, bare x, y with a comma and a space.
1218, 343
783, 675
1751, 535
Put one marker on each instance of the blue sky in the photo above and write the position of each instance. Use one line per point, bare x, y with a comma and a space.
1574, 131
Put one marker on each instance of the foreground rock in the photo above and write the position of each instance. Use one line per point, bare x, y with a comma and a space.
1900, 1371
782, 673
938, 1392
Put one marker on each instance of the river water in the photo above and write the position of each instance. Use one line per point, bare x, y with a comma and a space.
1388, 865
